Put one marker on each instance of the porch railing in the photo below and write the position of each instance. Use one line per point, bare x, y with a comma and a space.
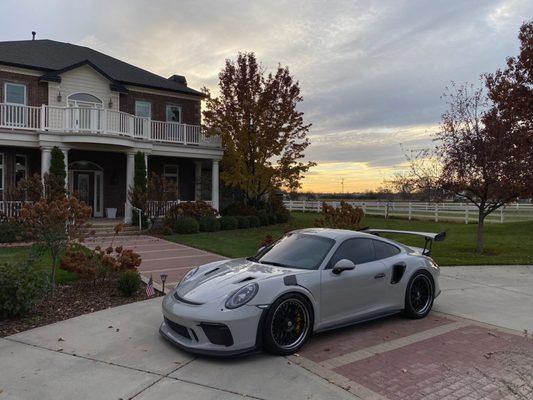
82, 120
9, 209
159, 209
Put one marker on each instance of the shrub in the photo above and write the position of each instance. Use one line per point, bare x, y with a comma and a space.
239, 209
129, 282
21, 286
263, 219
254, 221
343, 217
10, 232
184, 225
166, 231
209, 224
267, 241
228, 223
194, 209
243, 222
272, 219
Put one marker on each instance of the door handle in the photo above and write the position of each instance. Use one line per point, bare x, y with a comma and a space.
381, 275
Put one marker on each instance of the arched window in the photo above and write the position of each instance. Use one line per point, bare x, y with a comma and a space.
84, 99
84, 166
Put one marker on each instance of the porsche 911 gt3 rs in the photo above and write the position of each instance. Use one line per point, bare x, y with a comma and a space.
309, 281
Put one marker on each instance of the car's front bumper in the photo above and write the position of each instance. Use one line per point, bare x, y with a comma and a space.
210, 329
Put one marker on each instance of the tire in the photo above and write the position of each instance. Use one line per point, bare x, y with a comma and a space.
419, 295
281, 332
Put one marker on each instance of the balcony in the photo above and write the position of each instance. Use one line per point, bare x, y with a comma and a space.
81, 120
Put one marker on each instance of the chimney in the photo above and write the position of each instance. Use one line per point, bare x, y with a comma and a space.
33, 33
178, 79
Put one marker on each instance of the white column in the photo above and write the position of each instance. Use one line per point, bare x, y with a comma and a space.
146, 165
130, 166
46, 156
65, 156
214, 184
197, 180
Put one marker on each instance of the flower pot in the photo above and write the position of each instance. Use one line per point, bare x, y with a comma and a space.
111, 213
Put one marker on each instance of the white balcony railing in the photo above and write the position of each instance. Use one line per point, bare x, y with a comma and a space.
84, 120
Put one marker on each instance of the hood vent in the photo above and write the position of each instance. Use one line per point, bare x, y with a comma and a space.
210, 272
248, 278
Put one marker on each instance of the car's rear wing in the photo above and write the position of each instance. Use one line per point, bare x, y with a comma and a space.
429, 237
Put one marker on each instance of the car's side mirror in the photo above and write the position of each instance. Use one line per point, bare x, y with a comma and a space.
342, 265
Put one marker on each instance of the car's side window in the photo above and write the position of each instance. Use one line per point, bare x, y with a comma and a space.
358, 251
384, 250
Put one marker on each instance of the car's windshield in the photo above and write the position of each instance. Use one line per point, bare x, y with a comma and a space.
297, 250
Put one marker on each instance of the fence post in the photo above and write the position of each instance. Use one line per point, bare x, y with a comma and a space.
466, 214
318, 204
290, 205
436, 212
303, 206
501, 214
43, 117
410, 211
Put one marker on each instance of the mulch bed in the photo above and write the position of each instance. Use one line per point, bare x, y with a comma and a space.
68, 301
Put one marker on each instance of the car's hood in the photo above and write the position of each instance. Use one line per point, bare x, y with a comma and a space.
219, 279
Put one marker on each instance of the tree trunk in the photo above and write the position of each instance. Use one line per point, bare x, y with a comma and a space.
480, 224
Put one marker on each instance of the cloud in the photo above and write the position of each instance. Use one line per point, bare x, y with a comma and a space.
371, 72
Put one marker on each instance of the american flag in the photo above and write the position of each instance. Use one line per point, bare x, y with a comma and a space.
150, 287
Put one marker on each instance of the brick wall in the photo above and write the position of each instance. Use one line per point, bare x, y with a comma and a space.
36, 92
185, 173
190, 108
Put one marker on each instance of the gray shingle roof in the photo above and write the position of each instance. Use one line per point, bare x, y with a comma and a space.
50, 55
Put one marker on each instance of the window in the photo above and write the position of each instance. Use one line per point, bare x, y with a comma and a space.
143, 109
15, 93
84, 98
173, 113
170, 172
384, 250
358, 251
1, 171
21, 167
298, 250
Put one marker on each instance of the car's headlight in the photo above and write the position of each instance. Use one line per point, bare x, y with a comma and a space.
242, 296
188, 276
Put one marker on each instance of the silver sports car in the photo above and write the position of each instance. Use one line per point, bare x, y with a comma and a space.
309, 281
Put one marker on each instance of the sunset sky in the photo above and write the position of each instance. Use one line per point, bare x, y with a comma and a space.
371, 72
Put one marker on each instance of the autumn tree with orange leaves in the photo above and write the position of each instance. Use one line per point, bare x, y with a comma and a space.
263, 134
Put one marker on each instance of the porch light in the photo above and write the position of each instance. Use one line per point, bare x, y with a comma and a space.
163, 280
110, 104
59, 97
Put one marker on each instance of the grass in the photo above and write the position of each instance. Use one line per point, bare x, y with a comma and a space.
508, 243
14, 255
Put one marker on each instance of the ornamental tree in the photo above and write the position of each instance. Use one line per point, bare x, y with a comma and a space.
138, 193
477, 161
511, 92
57, 173
263, 134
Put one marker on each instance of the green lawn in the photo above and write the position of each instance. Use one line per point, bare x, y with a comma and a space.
14, 255
509, 243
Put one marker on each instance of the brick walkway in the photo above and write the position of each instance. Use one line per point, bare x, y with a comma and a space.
437, 358
159, 256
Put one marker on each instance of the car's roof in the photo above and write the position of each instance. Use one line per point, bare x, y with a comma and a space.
336, 234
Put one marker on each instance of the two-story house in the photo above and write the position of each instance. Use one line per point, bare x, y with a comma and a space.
100, 111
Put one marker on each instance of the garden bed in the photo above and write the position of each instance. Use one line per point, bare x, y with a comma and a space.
71, 300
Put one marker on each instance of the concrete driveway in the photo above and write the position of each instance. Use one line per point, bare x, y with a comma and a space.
118, 354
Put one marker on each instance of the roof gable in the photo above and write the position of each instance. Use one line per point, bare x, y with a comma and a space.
55, 57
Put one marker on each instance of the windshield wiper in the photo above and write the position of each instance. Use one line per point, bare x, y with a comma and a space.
275, 264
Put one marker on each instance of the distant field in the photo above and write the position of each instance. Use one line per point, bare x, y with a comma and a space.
510, 243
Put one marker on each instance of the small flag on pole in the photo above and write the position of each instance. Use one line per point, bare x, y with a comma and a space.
150, 287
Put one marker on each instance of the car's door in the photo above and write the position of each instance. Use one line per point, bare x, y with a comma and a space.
353, 293
393, 259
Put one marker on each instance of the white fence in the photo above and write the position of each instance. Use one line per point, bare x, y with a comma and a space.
459, 212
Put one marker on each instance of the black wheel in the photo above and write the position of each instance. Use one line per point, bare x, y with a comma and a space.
288, 324
419, 295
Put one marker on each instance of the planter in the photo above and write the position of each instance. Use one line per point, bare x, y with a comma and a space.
111, 213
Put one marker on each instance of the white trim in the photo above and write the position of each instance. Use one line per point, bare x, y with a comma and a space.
25, 156
20, 71
16, 84
149, 108
167, 106
3, 167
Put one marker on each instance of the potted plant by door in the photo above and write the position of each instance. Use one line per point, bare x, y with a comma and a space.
111, 212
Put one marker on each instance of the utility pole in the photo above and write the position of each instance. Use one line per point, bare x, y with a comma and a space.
342, 185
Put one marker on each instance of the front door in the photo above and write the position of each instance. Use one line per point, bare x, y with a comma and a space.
88, 186
354, 293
